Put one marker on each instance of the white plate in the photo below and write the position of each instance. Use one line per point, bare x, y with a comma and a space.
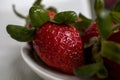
42, 69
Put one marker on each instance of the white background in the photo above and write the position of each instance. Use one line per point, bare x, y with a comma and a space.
12, 66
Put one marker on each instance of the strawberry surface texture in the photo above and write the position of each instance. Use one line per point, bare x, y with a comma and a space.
59, 46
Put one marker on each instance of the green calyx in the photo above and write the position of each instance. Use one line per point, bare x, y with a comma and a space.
36, 18
52, 9
20, 33
66, 17
82, 23
90, 70
24, 34
38, 3
96, 67
104, 22
111, 51
98, 6
116, 7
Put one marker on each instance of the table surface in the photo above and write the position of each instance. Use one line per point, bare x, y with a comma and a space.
12, 66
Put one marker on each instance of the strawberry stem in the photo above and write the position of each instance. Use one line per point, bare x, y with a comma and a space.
18, 14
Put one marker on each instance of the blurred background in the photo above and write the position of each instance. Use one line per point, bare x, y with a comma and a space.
12, 66
108, 5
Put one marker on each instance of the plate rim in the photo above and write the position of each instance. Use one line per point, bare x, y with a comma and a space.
35, 67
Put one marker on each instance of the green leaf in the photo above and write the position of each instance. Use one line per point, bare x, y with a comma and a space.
38, 16
102, 73
66, 17
85, 19
91, 70
37, 2
87, 70
53, 9
98, 6
104, 24
111, 50
20, 33
17, 13
81, 25
115, 16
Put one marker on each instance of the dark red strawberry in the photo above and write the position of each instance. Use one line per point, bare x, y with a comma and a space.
30, 26
115, 37
107, 46
59, 46
109, 3
90, 32
113, 67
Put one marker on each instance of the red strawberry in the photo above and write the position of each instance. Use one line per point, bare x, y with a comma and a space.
113, 69
56, 42
59, 46
90, 32
109, 3
51, 14
115, 37
29, 26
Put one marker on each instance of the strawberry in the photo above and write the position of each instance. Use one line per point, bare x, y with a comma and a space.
51, 14
90, 32
56, 41
59, 46
109, 3
113, 67
104, 52
115, 37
